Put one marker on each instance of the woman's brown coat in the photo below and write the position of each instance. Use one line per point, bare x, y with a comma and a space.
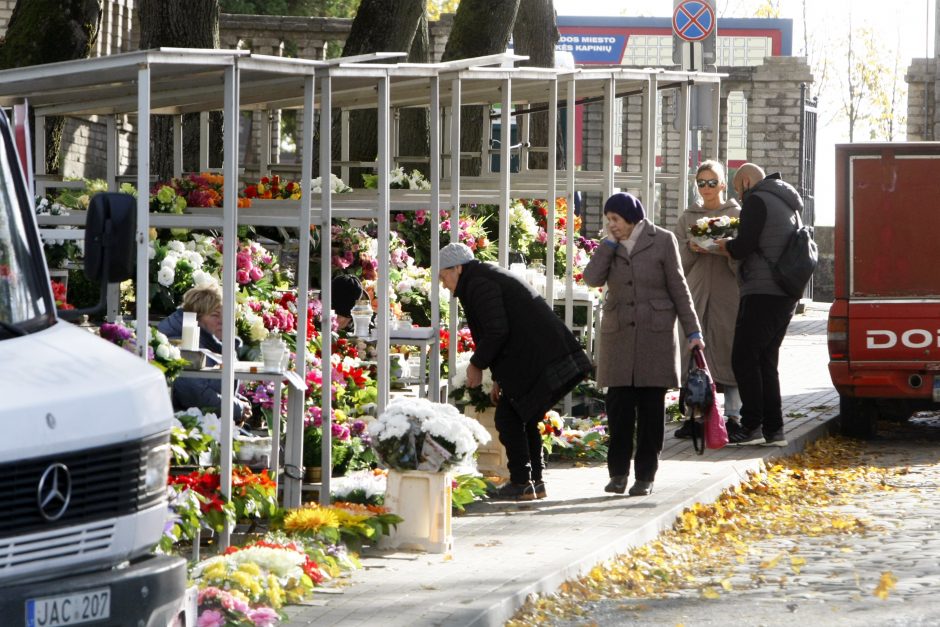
646, 292
713, 281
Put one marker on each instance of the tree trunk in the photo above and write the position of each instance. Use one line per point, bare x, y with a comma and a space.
181, 24
481, 27
379, 26
413, 125
535, 19
46, 31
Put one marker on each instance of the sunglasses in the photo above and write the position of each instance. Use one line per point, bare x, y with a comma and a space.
713, 183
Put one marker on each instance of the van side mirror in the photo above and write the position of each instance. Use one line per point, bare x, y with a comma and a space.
110, 240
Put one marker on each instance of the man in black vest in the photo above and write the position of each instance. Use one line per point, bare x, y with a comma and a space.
768, 218
534, 359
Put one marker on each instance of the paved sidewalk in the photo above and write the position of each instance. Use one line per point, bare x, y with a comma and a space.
503, 552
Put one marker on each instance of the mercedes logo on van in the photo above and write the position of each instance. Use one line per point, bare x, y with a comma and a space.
54, 492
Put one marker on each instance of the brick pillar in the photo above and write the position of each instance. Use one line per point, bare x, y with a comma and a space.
922, 87
773, 116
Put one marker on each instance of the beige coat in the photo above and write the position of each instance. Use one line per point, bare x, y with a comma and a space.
712, 279
646, 291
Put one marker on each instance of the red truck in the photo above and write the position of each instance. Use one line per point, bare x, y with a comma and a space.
884, 323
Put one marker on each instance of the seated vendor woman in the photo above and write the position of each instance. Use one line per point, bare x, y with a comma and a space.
206, 302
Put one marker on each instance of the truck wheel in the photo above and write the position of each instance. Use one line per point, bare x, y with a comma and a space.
858, 417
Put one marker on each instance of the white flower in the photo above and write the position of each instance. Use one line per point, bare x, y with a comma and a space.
151, 251
194, 258
258, 331
166, 276
201, 278
176, 246
210, 425
163, 351
360, 480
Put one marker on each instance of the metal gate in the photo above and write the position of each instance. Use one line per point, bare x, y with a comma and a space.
807, 174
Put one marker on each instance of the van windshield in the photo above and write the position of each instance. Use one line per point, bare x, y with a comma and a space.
21, 293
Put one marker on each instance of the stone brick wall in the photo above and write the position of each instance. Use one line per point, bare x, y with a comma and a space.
923, 89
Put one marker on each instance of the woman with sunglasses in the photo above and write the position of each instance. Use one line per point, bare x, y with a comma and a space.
713, 282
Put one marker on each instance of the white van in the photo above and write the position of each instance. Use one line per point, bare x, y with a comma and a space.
84, 455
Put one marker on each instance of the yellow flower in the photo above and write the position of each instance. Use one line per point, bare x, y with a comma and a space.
251, 568
275, 593
346, 518
311, 518
215, 571
244, 581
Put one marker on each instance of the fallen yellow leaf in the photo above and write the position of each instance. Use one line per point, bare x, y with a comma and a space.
796, 563
885, 585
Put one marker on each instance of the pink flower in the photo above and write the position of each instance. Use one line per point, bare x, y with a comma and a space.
255, 273
211, 618
421, 216
263, 617
242, 277
244, 259
399, 217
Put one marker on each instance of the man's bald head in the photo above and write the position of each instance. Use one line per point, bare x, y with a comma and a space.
747, 176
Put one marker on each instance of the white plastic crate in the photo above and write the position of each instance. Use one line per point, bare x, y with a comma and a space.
423, 499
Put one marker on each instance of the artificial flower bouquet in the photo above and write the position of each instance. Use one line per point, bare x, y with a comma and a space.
478, 397
706, 230
416, 434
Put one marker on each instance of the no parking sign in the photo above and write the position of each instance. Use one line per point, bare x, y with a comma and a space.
694, 28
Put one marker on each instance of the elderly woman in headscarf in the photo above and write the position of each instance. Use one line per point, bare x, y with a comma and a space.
638, 348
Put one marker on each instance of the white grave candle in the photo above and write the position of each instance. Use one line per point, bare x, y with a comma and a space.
190, 339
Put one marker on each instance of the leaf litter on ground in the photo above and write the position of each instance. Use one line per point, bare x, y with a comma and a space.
795, 496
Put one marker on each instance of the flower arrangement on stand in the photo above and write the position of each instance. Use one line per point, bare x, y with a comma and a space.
416, 434
161, 353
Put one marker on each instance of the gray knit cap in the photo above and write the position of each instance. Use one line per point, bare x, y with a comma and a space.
455, 255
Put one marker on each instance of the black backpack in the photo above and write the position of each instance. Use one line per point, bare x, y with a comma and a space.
796, 263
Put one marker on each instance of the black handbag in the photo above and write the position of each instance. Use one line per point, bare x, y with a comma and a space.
698, 393
796, 263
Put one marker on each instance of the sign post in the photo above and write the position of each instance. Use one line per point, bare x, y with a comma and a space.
694, 34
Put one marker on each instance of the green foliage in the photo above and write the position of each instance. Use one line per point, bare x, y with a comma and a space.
467, 489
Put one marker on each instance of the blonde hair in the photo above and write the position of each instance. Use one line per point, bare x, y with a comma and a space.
712, 166
203, 300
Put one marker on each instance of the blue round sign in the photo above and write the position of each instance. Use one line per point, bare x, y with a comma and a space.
693, 20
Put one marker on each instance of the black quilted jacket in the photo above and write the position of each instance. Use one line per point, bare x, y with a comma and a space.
530, 352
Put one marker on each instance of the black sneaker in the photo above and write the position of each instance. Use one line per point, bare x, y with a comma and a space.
515, 492
775, 439
686, 430
540, 492
741, 435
